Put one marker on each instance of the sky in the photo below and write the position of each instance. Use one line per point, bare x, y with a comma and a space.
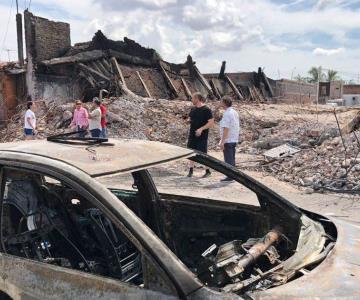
285, 37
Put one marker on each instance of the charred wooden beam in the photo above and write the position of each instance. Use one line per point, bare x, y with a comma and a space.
222, 70
267, 84
106, 64
88, 77
77, 58
103, 69
233, 87
169, 82
93, 71
214, 89
117, 71
186, 88
202, 80
190, 64
352, 125
119, 78
130, 59
92, 64
143, 84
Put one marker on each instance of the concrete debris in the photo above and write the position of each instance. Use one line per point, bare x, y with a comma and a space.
322, 164
281, 151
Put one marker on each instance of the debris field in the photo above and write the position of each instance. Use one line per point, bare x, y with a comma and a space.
324, 160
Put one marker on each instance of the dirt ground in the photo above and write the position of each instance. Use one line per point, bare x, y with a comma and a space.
171, 178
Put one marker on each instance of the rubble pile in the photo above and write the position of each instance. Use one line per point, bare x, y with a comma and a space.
325, 160
130, 116
320, 164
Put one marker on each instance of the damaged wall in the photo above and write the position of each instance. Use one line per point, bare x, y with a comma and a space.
57, 71
291, 91
45, 39
8, 99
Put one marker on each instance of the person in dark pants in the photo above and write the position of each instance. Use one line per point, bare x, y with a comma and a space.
201, 119
229, 132
95, 119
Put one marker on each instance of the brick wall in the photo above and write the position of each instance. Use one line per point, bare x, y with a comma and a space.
45, 39
350, 89
295, 92
8, 99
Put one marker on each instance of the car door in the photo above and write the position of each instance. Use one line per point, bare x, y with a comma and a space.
57, 243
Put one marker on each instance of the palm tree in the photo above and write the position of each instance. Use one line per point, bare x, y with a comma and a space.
316, 74
332, 75
299, 78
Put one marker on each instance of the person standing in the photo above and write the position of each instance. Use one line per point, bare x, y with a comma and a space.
103, 121
95, 119
229, 132
80, 119
201, 120
30, 122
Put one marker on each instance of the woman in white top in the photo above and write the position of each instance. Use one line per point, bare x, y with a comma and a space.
30, 122
95, 119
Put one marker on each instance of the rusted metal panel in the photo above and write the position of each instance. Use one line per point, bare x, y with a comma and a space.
337, 277
8, 97
26, 279
123, 156
259, 248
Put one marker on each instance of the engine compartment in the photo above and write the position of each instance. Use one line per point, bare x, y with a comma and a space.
242, 249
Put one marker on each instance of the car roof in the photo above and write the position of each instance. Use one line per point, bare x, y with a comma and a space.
120, 156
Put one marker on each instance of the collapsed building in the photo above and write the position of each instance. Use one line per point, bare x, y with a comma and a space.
57, 71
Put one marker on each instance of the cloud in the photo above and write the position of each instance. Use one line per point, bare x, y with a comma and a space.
213, 30
328, 52
124, 5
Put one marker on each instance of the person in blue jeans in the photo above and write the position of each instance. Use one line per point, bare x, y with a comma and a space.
95, 119
30, 122
229, 132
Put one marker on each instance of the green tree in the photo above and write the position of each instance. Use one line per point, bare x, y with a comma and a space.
316, 74
300, 78
332, 75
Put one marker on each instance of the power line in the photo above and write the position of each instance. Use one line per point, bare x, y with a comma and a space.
7, 28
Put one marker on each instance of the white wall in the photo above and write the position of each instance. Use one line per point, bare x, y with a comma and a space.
351, 99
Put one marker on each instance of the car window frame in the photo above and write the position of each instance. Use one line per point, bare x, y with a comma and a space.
146, 257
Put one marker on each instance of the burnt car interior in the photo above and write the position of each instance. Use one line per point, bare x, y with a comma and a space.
235, 247
52, 223
231, 247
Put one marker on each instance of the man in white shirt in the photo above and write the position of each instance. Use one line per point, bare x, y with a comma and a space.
30, 122
229, 132
95, 119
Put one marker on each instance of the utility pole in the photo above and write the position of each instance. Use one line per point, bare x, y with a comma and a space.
8, 52
19, 35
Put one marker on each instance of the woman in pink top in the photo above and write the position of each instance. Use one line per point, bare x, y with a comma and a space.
80, 119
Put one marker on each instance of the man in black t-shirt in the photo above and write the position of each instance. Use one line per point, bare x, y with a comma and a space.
201, 119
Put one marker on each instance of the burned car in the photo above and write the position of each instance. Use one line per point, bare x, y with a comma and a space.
65, 235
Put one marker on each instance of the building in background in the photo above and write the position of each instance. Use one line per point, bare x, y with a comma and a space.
296, 92
351, 94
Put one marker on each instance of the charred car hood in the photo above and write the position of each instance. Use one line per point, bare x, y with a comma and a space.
338, 276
